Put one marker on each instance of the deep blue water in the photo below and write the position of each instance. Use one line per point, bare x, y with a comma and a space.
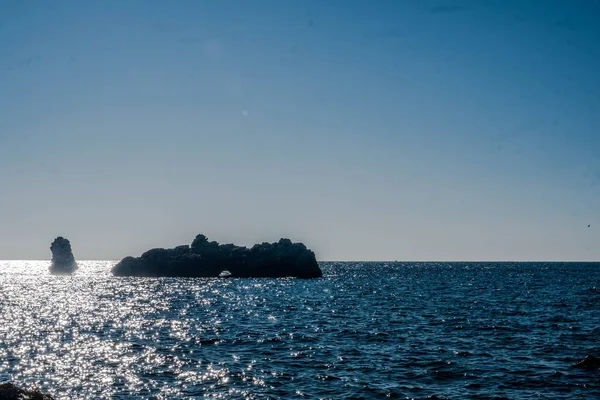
365, 330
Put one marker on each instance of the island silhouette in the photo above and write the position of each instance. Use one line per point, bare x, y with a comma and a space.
204, 258
63, 261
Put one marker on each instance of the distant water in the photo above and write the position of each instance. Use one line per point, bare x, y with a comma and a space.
365, 330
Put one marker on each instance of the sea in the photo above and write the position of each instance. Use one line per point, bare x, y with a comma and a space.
366, 330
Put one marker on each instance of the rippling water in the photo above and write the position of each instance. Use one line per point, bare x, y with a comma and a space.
365, 330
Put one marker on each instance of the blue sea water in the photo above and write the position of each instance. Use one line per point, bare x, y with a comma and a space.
365, 330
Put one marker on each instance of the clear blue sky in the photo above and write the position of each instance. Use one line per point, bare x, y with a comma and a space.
370, 130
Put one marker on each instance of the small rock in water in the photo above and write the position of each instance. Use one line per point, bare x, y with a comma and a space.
63, 261
589, 362
8, 391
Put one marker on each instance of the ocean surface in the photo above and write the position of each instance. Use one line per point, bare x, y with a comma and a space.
365, 330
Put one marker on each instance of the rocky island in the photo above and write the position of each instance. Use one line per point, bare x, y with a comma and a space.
63, 261
206, 258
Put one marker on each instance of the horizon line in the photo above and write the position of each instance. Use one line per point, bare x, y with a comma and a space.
372, 261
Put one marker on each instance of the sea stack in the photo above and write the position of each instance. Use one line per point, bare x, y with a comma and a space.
63, 261
211, 259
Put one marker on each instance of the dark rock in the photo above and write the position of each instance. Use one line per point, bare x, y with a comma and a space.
589, 362
63, 261
211, 259
8, 391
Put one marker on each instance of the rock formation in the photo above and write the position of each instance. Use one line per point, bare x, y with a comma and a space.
211, 259
63, 261
8, 391
589, 362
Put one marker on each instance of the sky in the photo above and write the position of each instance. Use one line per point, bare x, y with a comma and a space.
369, 130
